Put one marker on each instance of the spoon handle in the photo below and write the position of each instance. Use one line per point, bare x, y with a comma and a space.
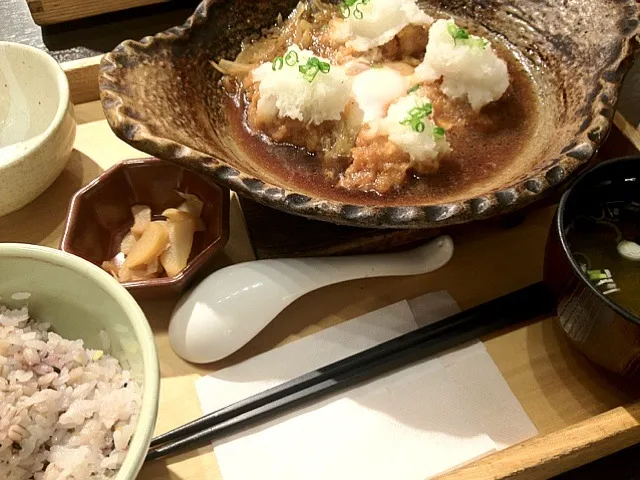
313, 273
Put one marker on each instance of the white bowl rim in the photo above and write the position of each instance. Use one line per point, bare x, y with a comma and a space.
142, 330
62, 83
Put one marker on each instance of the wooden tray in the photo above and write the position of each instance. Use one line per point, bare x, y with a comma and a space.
581, 412
47, 12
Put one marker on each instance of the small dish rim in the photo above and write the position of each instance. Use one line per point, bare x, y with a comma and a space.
144, 334
62, 83
192, 267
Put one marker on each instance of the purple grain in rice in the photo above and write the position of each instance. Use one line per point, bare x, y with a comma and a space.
66, 412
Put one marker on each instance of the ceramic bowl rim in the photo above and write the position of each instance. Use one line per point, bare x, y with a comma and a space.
124, 122
192, 268
559, 228
62, 85
141, 328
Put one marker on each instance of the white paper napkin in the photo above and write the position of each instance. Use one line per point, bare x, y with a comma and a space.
411, 424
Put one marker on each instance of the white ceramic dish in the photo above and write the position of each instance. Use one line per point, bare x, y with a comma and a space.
79, 300
37, 124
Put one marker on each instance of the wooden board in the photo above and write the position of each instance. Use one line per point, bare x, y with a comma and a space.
83, 77
561, 451
92, 36
556, 386
47, 12
578, 409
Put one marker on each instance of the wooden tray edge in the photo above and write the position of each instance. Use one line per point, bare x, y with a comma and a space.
558, 452
627, 129
49, 12
83, 79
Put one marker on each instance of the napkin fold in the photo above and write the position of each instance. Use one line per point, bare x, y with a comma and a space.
415, 423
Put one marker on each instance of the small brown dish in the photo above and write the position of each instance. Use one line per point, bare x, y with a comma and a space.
99, 217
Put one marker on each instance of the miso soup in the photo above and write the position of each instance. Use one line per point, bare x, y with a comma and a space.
604, 239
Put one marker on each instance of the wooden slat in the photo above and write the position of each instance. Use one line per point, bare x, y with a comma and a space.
47, 12
559, 452
629, 131
83, 79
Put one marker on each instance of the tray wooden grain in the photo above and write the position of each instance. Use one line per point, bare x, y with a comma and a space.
48, 12
582, 413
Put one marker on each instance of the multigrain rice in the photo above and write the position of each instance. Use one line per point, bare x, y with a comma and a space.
66, 412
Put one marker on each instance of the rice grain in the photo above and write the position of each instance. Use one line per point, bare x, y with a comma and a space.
66, 412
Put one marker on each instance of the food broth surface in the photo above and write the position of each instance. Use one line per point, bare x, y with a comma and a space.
483, 143
605, 242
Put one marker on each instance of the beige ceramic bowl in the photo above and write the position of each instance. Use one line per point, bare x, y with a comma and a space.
37, 125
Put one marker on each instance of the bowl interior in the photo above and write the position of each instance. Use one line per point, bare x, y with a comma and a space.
162, 96
30, 93
613, 181
79, 301
101, 214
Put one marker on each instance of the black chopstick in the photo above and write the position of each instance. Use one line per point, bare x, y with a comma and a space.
510, 309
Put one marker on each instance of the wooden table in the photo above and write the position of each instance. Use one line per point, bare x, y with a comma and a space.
556, 386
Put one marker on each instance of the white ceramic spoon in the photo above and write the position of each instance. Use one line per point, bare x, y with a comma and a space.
232, 305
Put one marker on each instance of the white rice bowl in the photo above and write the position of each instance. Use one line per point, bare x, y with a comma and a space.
66, 412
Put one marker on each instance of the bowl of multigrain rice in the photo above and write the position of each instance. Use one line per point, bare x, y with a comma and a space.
79, 376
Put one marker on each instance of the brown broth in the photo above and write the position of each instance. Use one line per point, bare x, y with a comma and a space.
593, 239
487, 143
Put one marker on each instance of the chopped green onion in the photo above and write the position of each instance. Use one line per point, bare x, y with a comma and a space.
312, 67
413, 89
277, 64
425, 110
597, 275
291, 58
457, 33
438, 132
346, 5
415, 116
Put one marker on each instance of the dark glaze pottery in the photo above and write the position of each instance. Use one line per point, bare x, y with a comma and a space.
161, 96
599, 328
99, 217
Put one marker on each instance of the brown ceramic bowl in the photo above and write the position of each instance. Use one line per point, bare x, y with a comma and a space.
606, 333
100, 216
161, 95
